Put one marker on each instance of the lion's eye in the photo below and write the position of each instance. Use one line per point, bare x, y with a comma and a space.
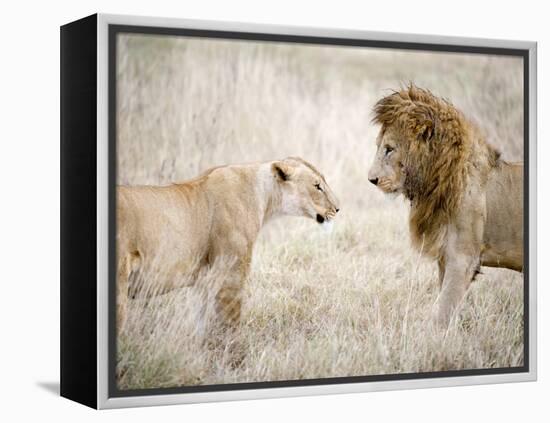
387, 150
318, 186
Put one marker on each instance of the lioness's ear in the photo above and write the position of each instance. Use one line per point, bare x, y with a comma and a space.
281, 170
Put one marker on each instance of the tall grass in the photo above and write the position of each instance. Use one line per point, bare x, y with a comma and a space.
356, 302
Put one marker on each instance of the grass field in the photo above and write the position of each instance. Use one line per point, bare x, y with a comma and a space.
353, 302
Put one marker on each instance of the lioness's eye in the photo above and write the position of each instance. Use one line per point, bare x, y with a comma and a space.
387, 150
318, 186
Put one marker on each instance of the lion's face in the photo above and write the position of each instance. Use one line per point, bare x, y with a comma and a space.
304, 191
387, 171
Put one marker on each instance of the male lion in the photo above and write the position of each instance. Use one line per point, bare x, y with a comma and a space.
466, 202
174, 231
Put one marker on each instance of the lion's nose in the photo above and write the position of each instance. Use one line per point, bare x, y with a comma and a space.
373, 181
337, 210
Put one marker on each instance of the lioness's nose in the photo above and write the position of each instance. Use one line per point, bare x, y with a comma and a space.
373, 181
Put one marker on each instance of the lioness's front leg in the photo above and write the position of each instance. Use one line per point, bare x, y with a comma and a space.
441, 271
229, 297
236, 254
123, 274
228, 303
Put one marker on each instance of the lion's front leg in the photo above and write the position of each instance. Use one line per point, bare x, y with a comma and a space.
460, 258
456, 276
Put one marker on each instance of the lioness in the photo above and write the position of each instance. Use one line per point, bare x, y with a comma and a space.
176, 230
466, 202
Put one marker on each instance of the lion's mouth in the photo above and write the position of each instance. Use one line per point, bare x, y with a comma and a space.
387, 188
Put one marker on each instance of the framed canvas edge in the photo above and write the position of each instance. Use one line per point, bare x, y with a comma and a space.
104, 401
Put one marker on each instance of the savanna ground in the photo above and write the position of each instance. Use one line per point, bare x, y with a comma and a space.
356, 301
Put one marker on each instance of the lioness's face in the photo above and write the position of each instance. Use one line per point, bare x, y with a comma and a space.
304, 191
387, 170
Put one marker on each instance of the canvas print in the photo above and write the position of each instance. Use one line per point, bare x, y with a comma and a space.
297, 211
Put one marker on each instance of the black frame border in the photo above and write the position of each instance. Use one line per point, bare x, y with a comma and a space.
115, 29
78, 211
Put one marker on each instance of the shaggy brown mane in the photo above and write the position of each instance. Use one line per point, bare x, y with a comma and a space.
442, 150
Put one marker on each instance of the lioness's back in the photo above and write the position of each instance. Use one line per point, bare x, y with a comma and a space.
161, 220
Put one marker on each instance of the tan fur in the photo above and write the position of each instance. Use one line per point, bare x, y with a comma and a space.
466, 202
175, 231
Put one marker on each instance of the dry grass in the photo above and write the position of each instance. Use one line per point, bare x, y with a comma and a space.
356, 302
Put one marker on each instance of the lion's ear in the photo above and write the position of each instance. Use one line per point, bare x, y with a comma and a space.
281, 170
427, 131
424, 123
